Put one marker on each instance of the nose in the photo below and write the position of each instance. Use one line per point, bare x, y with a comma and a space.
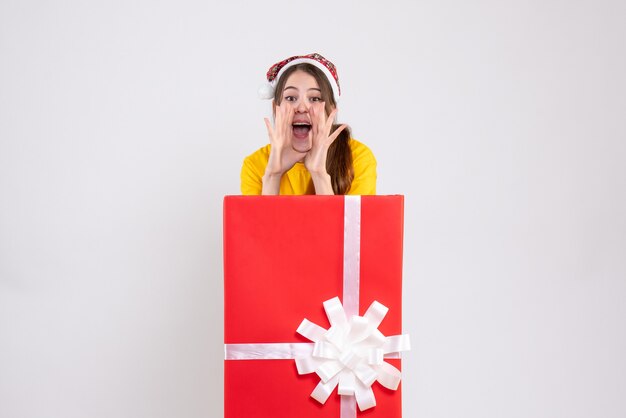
302, 106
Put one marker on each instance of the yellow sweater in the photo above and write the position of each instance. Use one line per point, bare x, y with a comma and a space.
297, 181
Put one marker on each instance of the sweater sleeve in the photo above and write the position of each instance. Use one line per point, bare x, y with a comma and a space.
364, 165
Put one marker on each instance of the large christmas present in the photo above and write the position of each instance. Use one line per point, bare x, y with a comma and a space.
312, 310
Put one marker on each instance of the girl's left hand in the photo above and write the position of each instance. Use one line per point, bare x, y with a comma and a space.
322, 139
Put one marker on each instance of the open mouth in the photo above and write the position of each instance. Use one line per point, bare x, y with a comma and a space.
301, 130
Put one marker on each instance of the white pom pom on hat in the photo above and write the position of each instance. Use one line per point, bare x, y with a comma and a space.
266, 91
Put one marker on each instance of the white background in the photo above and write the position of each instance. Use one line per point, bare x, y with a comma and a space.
124, 123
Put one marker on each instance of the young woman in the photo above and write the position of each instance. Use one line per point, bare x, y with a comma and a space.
308, 152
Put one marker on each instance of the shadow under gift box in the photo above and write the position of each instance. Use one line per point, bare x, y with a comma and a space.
283, 257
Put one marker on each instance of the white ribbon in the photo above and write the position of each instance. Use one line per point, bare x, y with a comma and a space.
349, 355
351, 253
271, 351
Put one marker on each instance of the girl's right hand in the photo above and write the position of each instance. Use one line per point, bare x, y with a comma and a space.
282, 155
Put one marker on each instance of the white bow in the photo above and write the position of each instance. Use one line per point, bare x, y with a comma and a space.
350, 354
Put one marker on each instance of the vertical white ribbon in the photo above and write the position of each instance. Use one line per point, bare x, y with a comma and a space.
351, 254
351, 276
348, 407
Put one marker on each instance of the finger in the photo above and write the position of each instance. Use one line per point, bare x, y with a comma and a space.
268, 125
331, 119
281, 110
328, 121
313, 116
336, 133
320, 117
278, 116
288, 121
283, 120
312, 137
290, 113
333, 114
321, 109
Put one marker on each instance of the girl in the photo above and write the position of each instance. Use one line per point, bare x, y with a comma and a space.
308, 153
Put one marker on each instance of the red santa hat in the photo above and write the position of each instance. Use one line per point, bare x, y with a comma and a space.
266, 91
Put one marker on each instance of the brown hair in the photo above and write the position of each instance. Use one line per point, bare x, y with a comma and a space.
339, 158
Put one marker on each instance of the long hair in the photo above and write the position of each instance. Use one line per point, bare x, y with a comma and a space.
339, 157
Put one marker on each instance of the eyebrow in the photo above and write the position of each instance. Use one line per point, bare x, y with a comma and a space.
292, 87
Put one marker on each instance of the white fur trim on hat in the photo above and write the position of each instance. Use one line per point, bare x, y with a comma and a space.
267, 90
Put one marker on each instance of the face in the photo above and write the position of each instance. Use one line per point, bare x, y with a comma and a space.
301, 92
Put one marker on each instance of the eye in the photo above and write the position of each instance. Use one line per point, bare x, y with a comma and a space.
315, 99
290, 98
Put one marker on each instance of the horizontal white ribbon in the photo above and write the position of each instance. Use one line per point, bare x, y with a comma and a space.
277, 351
271, 351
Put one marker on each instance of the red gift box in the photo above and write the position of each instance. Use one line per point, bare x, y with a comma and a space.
283, 257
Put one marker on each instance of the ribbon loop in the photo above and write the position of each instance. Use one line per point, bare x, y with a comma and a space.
375, 339
397, 343
366, 374
359, 329
306, 365
334, 311
337, 335
347, 384
325, 350
329, 369
350, 359
388, 375
375, 356
376, 313
364, 397
310, 331
322, 391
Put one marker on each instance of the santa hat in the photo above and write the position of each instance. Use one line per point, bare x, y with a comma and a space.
266, 91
